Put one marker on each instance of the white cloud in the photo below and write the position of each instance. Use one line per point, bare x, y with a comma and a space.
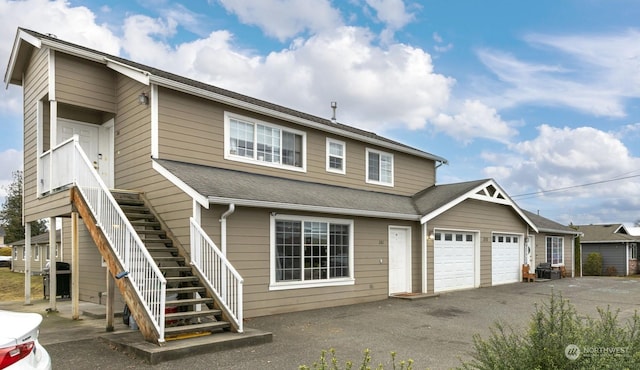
568, 158
284, 19
593, 74
473, 120
393, 14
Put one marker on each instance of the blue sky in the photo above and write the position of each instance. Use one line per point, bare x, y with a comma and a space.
540, 95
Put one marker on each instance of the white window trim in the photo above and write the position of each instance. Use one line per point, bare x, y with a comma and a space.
36, 253
633, 247
367, 168
546, 257
24, 251
231, 157
274, 285
344, 156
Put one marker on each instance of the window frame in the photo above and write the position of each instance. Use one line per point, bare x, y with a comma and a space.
633, 251
343, 170
254, 159
380, 154
550, 259
315, 283
36, 252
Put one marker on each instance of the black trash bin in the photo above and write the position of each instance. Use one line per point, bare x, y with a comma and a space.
63, 280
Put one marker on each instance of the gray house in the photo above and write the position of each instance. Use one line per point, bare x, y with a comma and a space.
618, 248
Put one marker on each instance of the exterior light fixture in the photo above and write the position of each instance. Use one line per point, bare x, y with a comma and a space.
143, 99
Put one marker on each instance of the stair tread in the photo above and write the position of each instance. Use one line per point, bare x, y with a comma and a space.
209, 326
175, 268
187, 289
182, 278
189, 314
171, 258
188, 302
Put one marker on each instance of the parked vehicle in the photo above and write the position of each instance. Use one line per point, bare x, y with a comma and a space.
5, 261
19, 346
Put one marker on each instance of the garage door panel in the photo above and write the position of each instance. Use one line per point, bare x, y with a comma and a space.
454, 261
505, 259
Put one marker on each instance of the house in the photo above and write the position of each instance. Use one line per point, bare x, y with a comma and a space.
40, 253
618, 248
196, 196
553, 244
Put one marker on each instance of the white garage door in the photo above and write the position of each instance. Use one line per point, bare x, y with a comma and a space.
505, 259
453, 260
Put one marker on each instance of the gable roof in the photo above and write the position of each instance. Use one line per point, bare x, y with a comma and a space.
38, 239
605, 233
549, 226
26, 40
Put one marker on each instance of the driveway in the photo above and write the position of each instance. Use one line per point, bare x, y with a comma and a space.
435, 332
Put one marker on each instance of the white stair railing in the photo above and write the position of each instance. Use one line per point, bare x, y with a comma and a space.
218, 273
141, 270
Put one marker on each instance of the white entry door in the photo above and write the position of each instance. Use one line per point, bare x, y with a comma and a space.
399, 260
96, 141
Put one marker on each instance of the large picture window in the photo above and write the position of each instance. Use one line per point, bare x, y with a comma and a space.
249, 140
311, 251
379, 167
555, 250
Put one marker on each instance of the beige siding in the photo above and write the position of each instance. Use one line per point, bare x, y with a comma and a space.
475, 215
192, 130
248, 249
84, 83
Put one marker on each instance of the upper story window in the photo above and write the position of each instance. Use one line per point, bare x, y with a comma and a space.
379, 167
336, 152
253, 141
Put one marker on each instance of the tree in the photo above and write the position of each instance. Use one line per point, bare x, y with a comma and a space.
11, 213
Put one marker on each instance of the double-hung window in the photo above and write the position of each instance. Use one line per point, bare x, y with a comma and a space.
555, 250
633, 251
335, 156
379, 167
308, 252
253, 141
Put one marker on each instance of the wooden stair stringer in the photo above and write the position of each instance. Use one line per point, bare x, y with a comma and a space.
129, 295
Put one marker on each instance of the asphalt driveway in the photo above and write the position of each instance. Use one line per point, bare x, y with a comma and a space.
435, 332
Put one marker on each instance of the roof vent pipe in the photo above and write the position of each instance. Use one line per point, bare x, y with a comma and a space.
334, 106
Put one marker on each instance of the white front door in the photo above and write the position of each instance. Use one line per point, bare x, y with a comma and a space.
399, 260
96, 141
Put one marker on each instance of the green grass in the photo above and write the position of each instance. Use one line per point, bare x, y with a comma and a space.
13, 285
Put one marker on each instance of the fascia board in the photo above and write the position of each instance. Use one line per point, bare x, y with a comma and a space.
268, 112
21, 37
131, 72
202, 200
308, 208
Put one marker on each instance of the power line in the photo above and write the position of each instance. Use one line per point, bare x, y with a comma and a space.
541, 192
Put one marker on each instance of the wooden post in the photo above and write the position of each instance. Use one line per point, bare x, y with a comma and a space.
27, 263
110, 295
75, 267
53, 284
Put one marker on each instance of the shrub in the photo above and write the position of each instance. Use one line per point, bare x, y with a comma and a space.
593, 266
558, 338
333, 364
5, 251
612, 271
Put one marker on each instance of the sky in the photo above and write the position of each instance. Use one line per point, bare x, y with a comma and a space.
542, 96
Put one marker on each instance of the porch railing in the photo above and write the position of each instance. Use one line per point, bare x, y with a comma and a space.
220, 275
69, 165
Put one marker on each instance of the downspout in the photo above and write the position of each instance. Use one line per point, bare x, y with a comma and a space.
435, 170
223, 228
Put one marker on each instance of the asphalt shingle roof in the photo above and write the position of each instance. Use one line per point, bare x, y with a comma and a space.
603, 233
436, 196
545, 224
38, 239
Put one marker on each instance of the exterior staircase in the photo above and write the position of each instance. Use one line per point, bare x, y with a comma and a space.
190, 309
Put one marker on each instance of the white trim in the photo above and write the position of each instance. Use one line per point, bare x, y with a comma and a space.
254, 160
180, 184
21, 37
273, 285
310, 208
39, 144
153, 103
408, 249
424, 238
472, 194
380, 153
127, 70
328, 156
51, 60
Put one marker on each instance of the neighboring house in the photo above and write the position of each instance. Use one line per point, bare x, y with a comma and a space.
554, 244
241, 204
618, 248
40, 253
